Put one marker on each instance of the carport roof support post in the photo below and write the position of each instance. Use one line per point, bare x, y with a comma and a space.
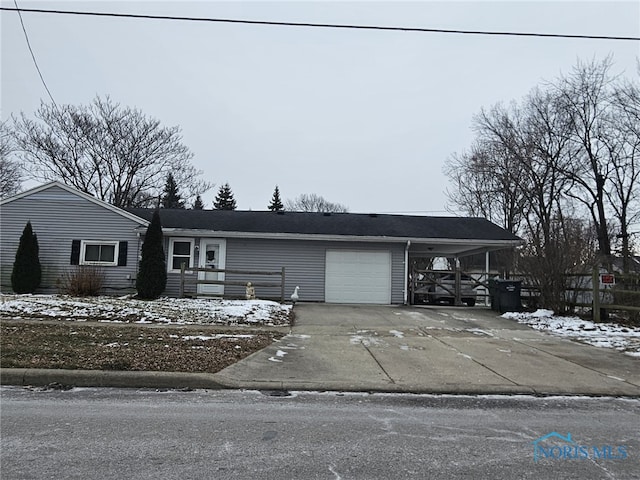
406, 272
458, 286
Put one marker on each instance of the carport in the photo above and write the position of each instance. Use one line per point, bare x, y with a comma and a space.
454, 250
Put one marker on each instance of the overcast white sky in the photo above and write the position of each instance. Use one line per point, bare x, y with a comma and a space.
363, 118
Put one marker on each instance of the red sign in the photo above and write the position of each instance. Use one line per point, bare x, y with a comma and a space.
607, 279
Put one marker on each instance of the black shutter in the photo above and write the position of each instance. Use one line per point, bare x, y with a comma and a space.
122, 254
75, 252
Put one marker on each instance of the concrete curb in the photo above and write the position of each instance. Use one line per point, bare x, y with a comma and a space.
441, 389
106, 378
366, 387
211, 381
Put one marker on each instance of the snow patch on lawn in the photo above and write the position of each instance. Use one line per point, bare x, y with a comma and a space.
182, 311
607, 335
211, 337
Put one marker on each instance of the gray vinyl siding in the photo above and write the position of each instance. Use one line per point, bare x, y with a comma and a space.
58, 217
304, 263
173, 284
398, 279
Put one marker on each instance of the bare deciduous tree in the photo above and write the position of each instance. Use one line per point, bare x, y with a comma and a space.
112, 152
570, 246
310, 202
623, 144
534, 137
485, 186
585, 97
10, 170
561, 161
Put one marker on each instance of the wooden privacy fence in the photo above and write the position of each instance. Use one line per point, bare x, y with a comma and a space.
248, 274
600, 291
626, 293
596, 290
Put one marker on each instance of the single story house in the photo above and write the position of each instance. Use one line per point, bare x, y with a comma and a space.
333, 257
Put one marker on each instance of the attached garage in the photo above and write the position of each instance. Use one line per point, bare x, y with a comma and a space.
358, 276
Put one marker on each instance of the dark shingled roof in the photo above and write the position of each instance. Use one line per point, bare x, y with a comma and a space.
349, 224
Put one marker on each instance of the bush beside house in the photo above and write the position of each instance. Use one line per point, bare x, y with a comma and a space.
27, 272
152, 275
82, 281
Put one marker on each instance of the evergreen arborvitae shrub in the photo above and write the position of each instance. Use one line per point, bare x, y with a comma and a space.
27, 272
152, 274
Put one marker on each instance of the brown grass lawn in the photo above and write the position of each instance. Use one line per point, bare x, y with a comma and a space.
70, 345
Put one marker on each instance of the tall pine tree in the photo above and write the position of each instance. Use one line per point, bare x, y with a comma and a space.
224, 199
171, 197
276, 202
27, 272
198, 204
152, 273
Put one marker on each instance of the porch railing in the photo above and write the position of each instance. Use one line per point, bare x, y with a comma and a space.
249, 276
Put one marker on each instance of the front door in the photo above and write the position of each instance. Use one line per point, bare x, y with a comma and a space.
212, 255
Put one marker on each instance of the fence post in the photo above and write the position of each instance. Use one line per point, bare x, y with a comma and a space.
182, 269
282, 286
596, 294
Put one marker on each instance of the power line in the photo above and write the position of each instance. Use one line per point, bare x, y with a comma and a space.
33, 56
322, 25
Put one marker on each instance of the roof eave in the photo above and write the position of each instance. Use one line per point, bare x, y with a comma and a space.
497, 244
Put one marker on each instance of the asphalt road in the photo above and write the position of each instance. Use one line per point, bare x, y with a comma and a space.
143, 434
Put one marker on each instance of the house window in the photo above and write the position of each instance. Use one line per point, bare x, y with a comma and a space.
98, 253
180, 251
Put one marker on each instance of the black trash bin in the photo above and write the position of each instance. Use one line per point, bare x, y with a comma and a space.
505, 295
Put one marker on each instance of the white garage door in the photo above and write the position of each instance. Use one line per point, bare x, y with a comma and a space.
358, 276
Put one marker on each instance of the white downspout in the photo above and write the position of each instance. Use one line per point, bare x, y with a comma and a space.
406, 272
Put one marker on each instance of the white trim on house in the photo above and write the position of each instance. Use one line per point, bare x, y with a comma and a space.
217, 246
75, 191
338, 238
83, 252
438, 247
171, 254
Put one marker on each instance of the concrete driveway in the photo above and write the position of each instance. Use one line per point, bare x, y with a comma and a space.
429, 350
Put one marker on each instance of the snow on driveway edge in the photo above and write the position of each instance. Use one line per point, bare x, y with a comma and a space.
607, 335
